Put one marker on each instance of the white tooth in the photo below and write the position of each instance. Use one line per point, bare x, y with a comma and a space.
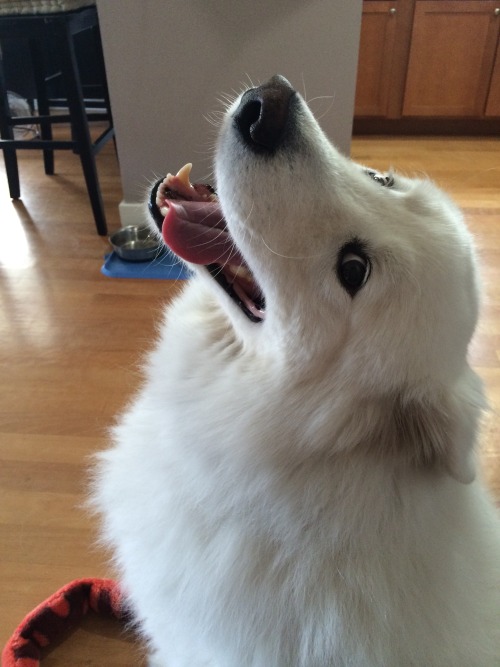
164, 210
239, 271
183, 174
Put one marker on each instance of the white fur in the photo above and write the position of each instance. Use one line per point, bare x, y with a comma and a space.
299, 492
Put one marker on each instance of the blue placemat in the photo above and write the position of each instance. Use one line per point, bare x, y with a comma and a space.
164, 267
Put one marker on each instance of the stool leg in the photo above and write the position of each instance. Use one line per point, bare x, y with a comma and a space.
80, 127
104, 80
43, 104
7, 132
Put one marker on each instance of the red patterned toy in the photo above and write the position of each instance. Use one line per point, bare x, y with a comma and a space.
61, 612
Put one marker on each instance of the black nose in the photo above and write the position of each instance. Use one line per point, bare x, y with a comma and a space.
263, 115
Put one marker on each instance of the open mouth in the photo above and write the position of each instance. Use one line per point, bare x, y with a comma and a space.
193, 227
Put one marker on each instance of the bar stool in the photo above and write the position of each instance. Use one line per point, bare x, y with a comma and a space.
57, 28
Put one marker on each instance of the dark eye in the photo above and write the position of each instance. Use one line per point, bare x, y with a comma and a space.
353, 268
386, 181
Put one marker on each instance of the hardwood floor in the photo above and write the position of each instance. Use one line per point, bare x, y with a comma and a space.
71, 340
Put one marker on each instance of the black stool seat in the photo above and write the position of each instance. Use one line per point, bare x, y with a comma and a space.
58, 30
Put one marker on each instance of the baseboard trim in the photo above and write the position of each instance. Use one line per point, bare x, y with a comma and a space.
132, 213
427, 126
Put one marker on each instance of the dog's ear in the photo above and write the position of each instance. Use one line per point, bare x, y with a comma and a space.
441, 431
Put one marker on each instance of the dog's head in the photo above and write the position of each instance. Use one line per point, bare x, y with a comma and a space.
366, 278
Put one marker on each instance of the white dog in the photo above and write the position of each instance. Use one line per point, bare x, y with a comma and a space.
294, 485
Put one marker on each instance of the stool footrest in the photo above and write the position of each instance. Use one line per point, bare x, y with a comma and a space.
46, 144
92, 117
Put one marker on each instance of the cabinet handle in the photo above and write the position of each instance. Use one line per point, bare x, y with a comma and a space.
497, 11
392, 11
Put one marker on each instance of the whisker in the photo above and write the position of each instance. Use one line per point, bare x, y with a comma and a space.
252, 84
328, 109
278, 254
304, 87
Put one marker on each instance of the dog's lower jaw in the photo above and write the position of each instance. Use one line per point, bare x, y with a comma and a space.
191, 213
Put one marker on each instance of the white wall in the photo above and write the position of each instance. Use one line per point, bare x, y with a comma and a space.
168, 62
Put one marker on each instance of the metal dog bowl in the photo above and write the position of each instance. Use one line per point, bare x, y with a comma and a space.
136, 244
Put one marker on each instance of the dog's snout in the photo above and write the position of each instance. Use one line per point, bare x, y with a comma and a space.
263, 114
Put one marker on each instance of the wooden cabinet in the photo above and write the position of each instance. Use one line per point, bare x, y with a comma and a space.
385, 36
493, 101
452, 52
429, 59
376, 50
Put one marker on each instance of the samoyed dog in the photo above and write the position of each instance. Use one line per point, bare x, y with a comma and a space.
295, 483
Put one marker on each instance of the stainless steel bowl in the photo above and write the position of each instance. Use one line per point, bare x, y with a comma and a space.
136, 244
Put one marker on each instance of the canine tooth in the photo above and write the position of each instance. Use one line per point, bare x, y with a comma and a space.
183, 174
164, 210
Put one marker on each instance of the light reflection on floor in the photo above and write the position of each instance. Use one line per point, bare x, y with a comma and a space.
15, 251
27, 308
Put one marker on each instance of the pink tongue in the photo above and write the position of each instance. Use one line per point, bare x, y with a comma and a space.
196, 232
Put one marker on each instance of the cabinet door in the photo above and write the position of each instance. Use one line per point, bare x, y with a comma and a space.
378, 32
493, 102
451, 57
